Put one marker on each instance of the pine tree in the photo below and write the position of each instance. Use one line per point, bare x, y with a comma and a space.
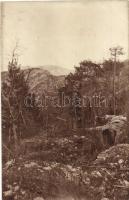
14, 90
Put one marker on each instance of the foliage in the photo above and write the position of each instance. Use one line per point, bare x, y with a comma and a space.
85, 82
14, 90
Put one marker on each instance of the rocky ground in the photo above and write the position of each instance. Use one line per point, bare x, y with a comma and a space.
67, 168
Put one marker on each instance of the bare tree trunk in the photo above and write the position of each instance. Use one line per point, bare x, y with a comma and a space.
9, 139
47, 123
14, 128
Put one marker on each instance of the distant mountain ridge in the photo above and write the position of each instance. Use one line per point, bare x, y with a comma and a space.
53, 69
41, 80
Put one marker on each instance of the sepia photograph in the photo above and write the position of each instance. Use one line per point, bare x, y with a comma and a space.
65, 99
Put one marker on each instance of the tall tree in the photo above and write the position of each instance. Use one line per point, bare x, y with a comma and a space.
14, 90
83, 82
115, 52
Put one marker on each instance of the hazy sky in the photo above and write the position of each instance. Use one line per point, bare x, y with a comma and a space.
63, 33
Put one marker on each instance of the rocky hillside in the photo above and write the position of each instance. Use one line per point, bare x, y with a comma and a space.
36, 178
41, 80
56, 70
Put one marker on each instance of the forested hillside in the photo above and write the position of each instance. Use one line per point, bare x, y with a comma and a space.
61, 137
